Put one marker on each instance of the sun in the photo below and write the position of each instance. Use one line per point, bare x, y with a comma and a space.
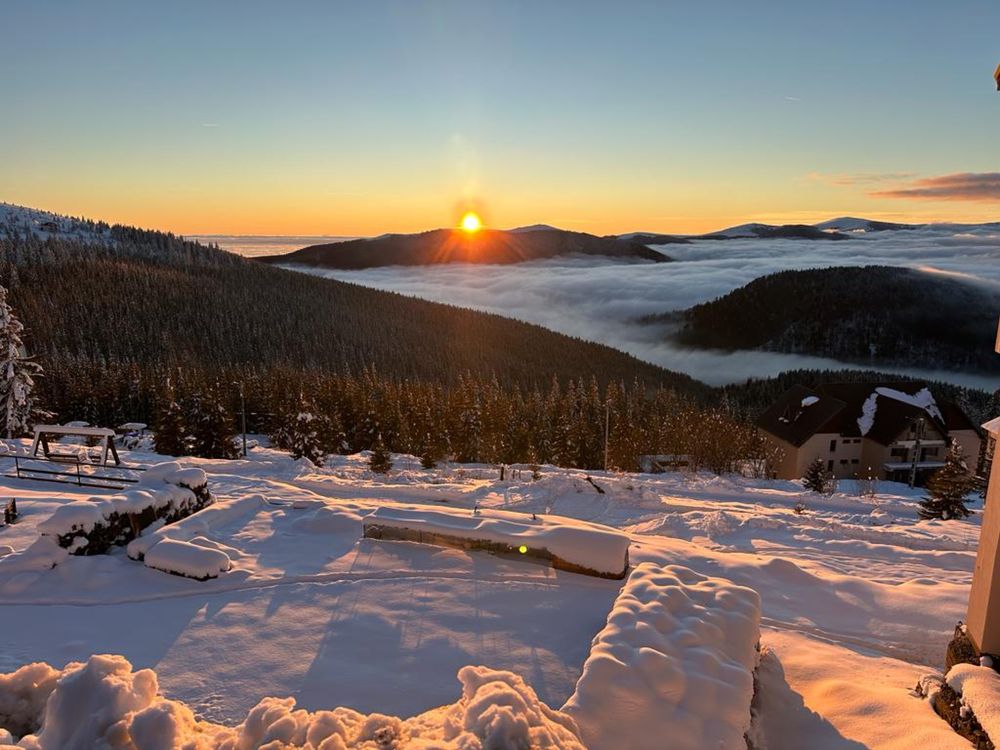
471, 222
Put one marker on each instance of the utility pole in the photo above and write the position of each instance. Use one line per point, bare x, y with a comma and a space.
607, 430
916, 450
243, 416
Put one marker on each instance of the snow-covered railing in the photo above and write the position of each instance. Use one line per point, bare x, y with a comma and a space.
167, 493
675, 660
566, 544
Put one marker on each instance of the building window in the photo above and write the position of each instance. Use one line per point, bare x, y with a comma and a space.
829, 465
833, 446
854, 460
899, 452
843, 462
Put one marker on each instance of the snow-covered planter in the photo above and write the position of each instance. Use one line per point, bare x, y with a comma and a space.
969, 700
675, 660
104, 704
566, 544
167, 493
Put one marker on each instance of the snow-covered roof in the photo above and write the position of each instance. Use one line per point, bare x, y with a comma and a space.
922, 399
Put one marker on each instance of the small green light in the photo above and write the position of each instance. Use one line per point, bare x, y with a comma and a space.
522, 549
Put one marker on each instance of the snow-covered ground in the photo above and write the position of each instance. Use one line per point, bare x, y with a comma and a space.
858, 597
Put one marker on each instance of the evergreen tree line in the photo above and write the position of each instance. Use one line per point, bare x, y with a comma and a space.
475, 421
150, 298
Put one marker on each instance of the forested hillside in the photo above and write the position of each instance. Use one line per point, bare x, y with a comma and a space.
875, 315
111, 322
457, 246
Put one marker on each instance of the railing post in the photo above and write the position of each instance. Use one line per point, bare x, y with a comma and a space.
983, 617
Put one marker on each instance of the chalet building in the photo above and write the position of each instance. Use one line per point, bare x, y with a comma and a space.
865, 430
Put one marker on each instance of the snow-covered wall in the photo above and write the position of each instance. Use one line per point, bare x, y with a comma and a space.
569, 544
673, 667
104, 704
166, 494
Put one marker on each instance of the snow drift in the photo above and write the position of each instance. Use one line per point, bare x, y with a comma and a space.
105, 705
676, 659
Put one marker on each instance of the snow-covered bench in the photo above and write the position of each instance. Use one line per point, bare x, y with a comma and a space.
566, 544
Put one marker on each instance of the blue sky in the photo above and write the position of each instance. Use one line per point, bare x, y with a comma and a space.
357, 118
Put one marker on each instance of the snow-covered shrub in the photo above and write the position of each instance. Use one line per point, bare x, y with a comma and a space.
167, 493
105, 704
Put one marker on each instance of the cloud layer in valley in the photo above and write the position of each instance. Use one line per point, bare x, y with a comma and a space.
599, 300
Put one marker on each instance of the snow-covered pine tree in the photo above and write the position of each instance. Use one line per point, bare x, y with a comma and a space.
380, 461
429, 454
304, 437
214, 435
17, 374
948, 487
332, 438
170, 428
816, 478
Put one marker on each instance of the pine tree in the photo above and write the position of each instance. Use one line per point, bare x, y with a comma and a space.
948, 487
304, 435
380, 461
816, 478
213, 433
17, 375
429, 454
170, 436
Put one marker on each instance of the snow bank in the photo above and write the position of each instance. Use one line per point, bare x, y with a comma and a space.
166, 494
187, 559
22, 698
572, 545
675, 659
104, 704
980, 691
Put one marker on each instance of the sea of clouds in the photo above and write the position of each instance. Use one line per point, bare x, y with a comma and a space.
600, 300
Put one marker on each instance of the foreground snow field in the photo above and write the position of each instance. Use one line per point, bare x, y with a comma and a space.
858, 598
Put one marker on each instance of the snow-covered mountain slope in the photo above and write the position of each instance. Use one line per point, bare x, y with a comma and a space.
25, 222
858, 599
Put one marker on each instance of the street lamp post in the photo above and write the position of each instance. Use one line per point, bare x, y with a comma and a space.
243, 415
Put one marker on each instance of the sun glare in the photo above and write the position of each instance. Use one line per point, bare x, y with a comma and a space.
471, 222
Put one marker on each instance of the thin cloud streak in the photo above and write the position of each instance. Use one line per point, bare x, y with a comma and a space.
962, 186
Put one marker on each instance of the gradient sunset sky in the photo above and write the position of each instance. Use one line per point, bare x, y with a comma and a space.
368, 117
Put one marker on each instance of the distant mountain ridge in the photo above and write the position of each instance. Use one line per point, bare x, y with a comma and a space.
872, 315
840, 228
493, 246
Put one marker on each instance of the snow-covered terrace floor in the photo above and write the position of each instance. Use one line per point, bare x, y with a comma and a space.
858, 598
310, 611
